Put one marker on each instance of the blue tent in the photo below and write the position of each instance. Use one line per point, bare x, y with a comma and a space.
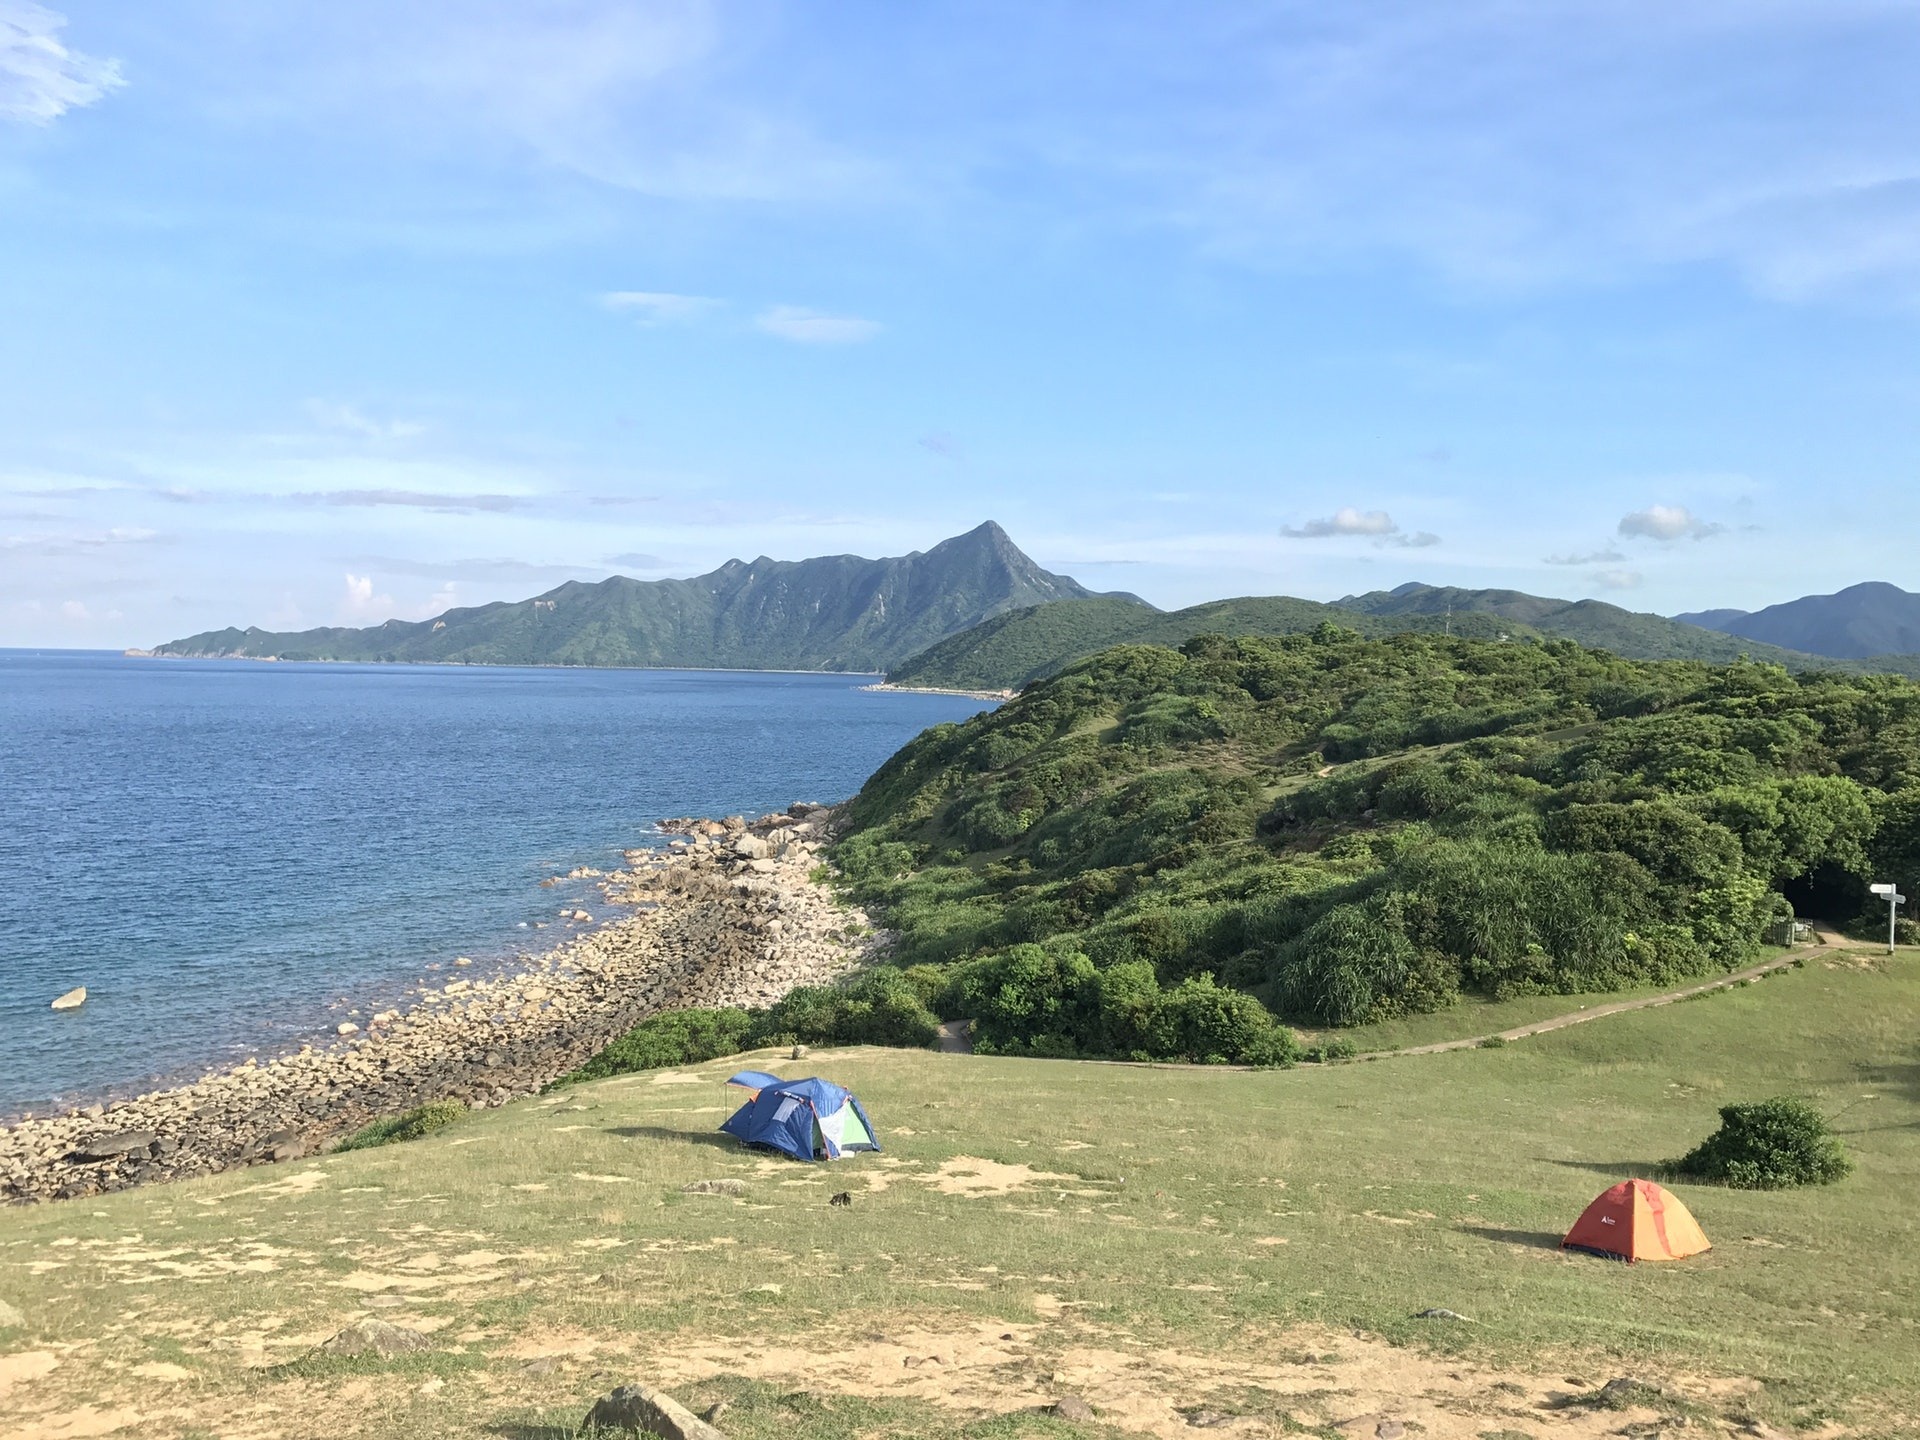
807, 1119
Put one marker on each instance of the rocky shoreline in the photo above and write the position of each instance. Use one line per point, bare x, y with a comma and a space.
727, 915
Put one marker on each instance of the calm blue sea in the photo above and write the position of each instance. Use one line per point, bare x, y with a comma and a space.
221, 851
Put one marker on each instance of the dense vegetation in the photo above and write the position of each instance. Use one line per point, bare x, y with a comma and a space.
408, 1125
1768, 1145
1350, 828
1018, 647
838, 612
880, 1007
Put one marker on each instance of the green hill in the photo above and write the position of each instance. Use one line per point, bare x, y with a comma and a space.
838, 612
1861, 621
1354, 828
1021, 646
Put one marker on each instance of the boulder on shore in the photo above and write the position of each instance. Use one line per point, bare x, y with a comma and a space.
73, 999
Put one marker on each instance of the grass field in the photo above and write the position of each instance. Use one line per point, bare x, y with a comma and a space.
1173, 1245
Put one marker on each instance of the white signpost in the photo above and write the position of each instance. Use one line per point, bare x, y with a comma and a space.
1894, 901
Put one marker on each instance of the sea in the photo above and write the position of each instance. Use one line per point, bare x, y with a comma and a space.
232, 856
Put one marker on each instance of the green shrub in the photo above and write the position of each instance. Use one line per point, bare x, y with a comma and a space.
1768, 1145
880, 1007
883, 1006
677, 1037
424, 1120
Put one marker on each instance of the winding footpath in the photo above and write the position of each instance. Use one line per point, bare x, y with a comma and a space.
1828, 938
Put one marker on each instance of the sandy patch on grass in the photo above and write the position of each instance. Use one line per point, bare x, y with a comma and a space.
604, 1179
971, 1176
29, 1365
79, 1424
679, 1077
1339, 1379
162, 1370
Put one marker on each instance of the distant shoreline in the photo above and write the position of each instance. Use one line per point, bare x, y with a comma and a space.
888, 688
136, 654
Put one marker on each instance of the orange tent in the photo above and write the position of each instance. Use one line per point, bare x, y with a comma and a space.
1637, 1220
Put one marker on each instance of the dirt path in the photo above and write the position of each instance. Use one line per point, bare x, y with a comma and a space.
1828, 938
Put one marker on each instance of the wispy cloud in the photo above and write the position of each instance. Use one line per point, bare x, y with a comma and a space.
40, 78
79, 543
815, 327
477, 569
350, 420
414, 499
941, 443
1376, 525
659, 307
1606, 555
1667, 522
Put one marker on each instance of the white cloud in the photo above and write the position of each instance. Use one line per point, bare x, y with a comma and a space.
1667, 522
1617, 579
40, 78
816, 327
75, 610
360, 603
414, 500
350, 420
658, 307
1607, 554
1345, 521
1507, 145
1376, 524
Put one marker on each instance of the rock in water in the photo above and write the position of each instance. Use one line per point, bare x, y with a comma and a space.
376, 1337
647, 1412
73, 999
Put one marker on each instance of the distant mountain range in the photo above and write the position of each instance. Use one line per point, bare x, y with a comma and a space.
975, 613
1861, 621
1015, 648
838, 612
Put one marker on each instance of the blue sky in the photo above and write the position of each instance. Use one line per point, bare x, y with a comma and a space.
324, 313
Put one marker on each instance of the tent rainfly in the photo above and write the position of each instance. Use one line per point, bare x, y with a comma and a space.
1637, 1220
807, 1119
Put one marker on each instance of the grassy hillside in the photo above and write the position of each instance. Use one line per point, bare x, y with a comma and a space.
1022, 646
836, 612
1158, 1242
1353, 829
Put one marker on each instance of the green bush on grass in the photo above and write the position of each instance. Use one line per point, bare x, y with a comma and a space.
423, 1120
1768, 1145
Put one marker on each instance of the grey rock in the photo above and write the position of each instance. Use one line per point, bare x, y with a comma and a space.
1072, 1407
376, 1337
715, 1187
112, 1147
647, 1412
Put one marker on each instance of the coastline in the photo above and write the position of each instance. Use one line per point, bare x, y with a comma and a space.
887, 688
135, 653
728, 915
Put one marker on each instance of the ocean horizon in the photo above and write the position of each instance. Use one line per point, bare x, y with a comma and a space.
233, 855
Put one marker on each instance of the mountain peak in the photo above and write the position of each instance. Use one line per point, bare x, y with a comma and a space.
835, 612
